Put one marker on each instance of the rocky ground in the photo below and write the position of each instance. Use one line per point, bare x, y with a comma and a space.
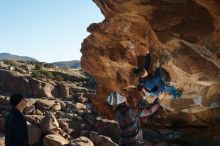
60, 112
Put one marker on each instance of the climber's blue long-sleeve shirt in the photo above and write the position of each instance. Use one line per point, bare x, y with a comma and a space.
151, 82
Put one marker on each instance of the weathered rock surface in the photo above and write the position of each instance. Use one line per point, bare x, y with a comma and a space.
11, 81
49, 124
82, 141
44, 104
43, 89
185, 32
54, 140
54, 107
14, 82
34, 119
18, 83
63, 90
101, 140
34, 134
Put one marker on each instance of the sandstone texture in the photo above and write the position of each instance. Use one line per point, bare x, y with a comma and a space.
185, 33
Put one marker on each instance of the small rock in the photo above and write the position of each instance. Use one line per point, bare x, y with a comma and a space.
81, 99
29, 110
68, 97
101, 140
63, 105
54, 140
63, 125
80, 106
69, 106
4, 103
38, 112
60, 114
44, 104
49, 124
63, 90
34, 119
56, 106
82, 141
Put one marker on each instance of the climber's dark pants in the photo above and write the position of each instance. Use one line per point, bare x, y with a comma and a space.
147, 61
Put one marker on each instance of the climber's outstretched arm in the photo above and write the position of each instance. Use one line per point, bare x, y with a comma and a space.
158, 74
145, 109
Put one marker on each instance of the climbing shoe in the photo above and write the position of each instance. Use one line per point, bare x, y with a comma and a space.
179, 94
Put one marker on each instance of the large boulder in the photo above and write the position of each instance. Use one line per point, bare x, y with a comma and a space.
63, 90
48, 104
49, 124
15, 82
184, 33
44, 104
43, 89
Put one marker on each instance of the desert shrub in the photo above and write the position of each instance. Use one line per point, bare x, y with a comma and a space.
48, 74
66, 68
39, 73
38, 66
35, 74
59, 78
10, 62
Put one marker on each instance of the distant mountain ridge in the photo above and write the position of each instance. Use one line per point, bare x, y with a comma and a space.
8, 56
71, 64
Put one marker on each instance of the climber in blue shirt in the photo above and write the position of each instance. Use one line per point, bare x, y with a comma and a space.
154, 83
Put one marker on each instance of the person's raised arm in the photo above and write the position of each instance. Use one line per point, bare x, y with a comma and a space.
146, 109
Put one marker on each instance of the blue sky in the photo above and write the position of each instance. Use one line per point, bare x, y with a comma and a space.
47, 30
